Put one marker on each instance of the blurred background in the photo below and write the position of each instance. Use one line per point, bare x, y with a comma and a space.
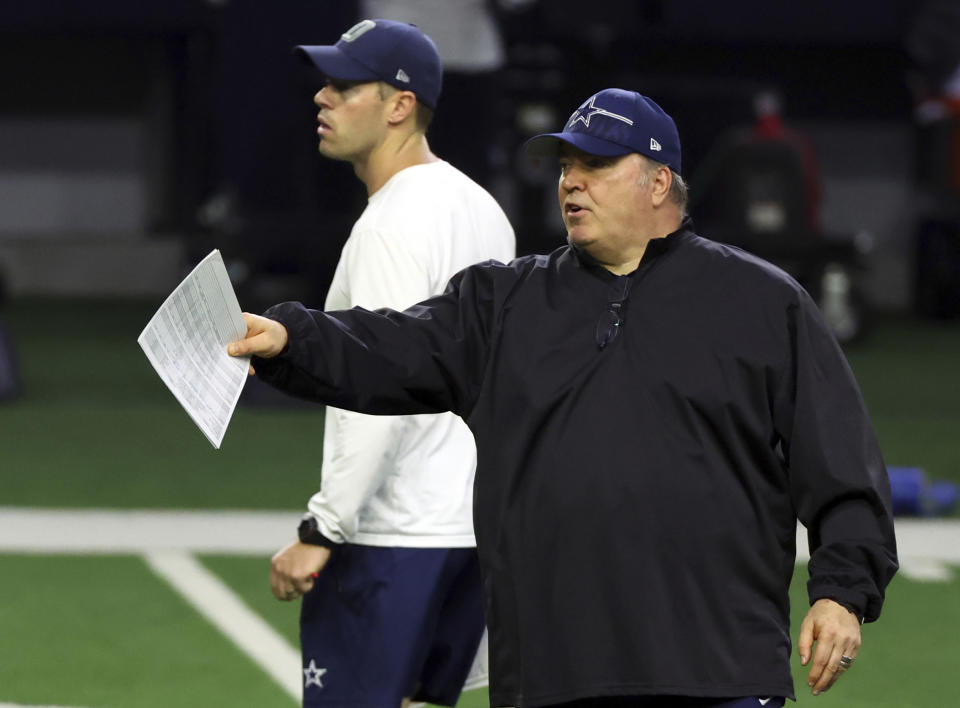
136, 137
149, 133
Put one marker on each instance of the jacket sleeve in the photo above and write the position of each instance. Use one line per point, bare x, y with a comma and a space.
838, 479
430, 358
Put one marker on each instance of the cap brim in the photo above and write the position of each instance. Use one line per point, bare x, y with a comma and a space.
335, 64
548, 145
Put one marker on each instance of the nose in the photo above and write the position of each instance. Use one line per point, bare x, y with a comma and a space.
320, 98
571, 179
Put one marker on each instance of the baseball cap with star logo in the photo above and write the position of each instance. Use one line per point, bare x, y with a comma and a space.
616, 122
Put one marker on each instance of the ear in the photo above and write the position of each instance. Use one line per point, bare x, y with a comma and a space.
660, 184
399, 106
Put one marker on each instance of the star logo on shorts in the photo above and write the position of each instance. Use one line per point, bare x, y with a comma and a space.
311, 675
583, 115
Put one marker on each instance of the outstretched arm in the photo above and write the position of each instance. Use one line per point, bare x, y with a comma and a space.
430, 358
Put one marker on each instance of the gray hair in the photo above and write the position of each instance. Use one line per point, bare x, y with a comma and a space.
679, 192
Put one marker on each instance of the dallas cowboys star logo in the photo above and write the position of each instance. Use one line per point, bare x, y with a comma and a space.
312, 675
584, 116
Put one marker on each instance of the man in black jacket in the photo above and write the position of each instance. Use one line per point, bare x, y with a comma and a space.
653, 413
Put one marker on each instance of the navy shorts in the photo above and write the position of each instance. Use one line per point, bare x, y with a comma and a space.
383, 624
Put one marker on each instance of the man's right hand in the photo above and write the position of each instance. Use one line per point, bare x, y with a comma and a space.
265, 338
293, 567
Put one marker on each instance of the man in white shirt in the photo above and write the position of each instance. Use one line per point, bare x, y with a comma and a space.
386, 559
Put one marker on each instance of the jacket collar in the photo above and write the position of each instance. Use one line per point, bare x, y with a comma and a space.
656, 248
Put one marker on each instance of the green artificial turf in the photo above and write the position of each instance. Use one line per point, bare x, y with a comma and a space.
96, 427
104, 632
249, 577
909, 371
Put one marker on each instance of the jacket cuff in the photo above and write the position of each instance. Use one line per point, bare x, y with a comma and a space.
854, 601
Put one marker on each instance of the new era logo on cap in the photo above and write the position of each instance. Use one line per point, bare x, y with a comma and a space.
383, 50
617, 122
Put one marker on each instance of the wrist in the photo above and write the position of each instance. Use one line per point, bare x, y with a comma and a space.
852, 610
309, 532
848, 606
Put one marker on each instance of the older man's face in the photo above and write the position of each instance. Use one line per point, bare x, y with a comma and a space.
605, 203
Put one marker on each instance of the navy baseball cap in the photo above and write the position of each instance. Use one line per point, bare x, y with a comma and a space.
383, 50
616, 122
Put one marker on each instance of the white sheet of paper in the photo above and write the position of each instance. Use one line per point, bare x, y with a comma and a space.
186, 342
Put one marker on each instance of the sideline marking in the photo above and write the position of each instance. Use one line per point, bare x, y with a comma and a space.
927, 547
44, 530
928, 570
228, 613
41, 530
31, 705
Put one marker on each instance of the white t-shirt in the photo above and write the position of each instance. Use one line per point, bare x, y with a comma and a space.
407, 481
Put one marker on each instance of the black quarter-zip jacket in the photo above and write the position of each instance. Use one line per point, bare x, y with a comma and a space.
635, 505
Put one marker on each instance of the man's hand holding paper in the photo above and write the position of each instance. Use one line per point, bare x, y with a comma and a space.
265, 338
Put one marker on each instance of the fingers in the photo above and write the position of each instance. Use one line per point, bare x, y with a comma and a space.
840, 660
286, 588
302, 587
805, 640
282, 592
262, 344
836, 632
264, 338
294, 568
282, 581
824, 666
290, 589
254, 343
846, 660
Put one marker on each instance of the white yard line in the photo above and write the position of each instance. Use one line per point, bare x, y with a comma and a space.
226, 611
926, 570
37, 530
31, 705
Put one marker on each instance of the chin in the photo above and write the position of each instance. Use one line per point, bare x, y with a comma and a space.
581, 241
334, 154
